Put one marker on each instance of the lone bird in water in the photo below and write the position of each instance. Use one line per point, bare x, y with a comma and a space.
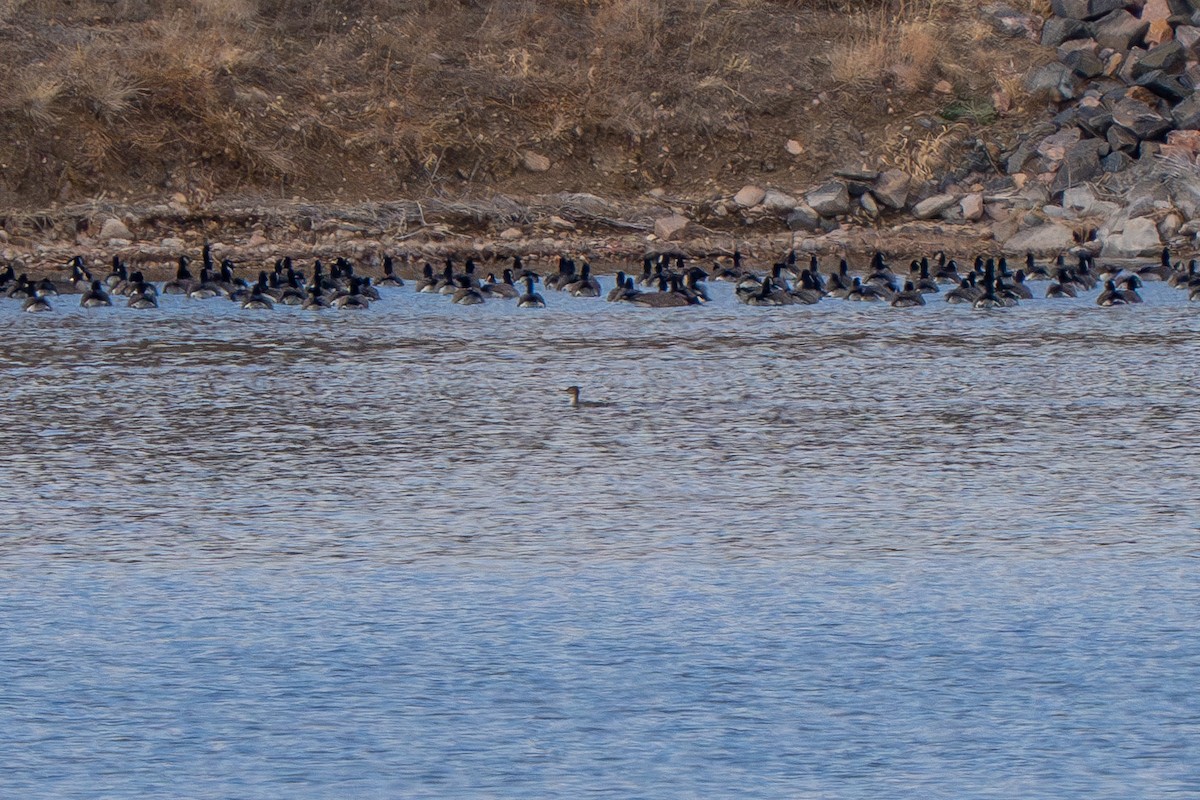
577, 403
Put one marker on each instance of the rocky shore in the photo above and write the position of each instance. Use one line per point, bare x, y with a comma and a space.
1112, 168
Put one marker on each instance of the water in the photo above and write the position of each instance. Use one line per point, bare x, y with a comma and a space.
842, 551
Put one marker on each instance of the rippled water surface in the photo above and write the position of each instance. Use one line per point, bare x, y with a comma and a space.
834, 552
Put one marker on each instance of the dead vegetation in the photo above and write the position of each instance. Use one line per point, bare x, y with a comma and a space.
350, 100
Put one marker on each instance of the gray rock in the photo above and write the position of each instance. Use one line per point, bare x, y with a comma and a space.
1168, 57
778, 202
1083, 63
1081, 164
1140, 238
1009, 21
861, 175
1165, 86
1057, 30
869, 205
1119, 30
1140, 119
829, 199
1121, 139
803, 218
1083, 9
1079, 200
1116, 161
1053, 80
891, 188
1189, 37
1050, 239
971, 206
930, 207
113, 228
749, 196
535, 162
1094, 119
1186, 115
671, 227
1026, 149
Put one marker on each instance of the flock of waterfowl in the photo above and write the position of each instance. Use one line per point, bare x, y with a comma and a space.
665, 281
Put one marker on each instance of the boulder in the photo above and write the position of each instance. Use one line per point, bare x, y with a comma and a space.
1084, 9
1081, 164
778, 202
1169, 57
1093, 118
891, 188
671, 227
749, 196
1009, 21
971, 206
1186, 115
1121, 139
930, 207
869, 205
1116, 161
1050, 238
1055, 81
1084, 63
1057, 30
1119, 30
793, 147
113, 228
803, 218
1189, 37
829, 199
1054, 147
1140, 119
1165, 86
1139, 238
1026, 149
1079, 200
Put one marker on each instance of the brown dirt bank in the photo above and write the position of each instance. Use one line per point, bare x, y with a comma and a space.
342, 102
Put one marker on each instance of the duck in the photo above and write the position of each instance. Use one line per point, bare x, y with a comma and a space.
142, 296
504, 289
207, 288
183, 282
1035, 271
468, 294
768, 295
389, 274
1111, 296
585, 285
965, 292
1162, 271
1128, 288
352, 300
670, 294
427, 284
530, 299
863, 292
909, 297
573, 391
81, 277
314, 298
35, 303
617, 292
95, 296
258, 299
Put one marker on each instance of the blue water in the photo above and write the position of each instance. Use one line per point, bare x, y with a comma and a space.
834, 552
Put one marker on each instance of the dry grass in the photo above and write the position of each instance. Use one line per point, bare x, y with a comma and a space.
387, 97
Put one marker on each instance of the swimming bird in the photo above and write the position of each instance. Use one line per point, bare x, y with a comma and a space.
573, 391
36, 303
910, 297
1111, 296
95, 296
183, 282
390, 278
585, 285
530, 299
